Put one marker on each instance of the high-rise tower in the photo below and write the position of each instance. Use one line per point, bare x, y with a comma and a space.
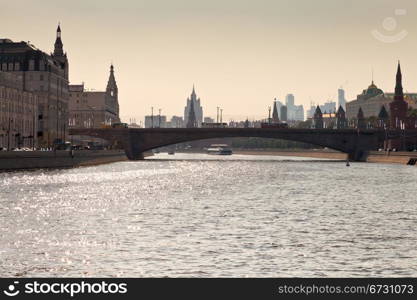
198, 109
341, 98
191, 122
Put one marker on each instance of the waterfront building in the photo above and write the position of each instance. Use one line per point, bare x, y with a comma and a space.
372, 99
318, 119
341, 121
46, 76
18, 113
370, 102
94, 109
198, 109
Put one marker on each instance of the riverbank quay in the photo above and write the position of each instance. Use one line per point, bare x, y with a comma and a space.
373, 156
19, 160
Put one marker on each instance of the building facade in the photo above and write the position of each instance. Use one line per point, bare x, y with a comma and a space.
372, 99
18, 113
94, 109
46, 76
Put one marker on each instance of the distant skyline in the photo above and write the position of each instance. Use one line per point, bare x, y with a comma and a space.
240, 54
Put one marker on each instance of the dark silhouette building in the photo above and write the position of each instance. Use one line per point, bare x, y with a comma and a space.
383, 118
318, 118
341, 121
275, 117
361, 122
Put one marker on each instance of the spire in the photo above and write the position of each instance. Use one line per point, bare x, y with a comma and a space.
193, 94
318, 118
58, 50
318, 111
341, 121
399, 95
340, 110
111, 83
275, 117
383, 114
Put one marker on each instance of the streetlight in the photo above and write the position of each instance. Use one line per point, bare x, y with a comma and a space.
8, 134
159, 118
269, 114
152, 116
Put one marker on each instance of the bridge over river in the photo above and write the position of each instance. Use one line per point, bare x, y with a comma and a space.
135, 141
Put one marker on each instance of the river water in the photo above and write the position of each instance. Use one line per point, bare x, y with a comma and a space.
208, 216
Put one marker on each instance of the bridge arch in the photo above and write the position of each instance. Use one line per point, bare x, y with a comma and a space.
137, 141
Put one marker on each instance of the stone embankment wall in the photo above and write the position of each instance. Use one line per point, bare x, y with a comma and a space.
16, 160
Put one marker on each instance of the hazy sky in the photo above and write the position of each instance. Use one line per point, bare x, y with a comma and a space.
240, 54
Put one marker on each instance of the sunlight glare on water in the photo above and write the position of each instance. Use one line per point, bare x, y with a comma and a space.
206, 216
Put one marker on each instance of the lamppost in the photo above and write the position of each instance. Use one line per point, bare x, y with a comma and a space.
269, 114
8, 134
152, 116
159, 118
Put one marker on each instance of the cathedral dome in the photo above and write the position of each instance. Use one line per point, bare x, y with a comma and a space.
373, 90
